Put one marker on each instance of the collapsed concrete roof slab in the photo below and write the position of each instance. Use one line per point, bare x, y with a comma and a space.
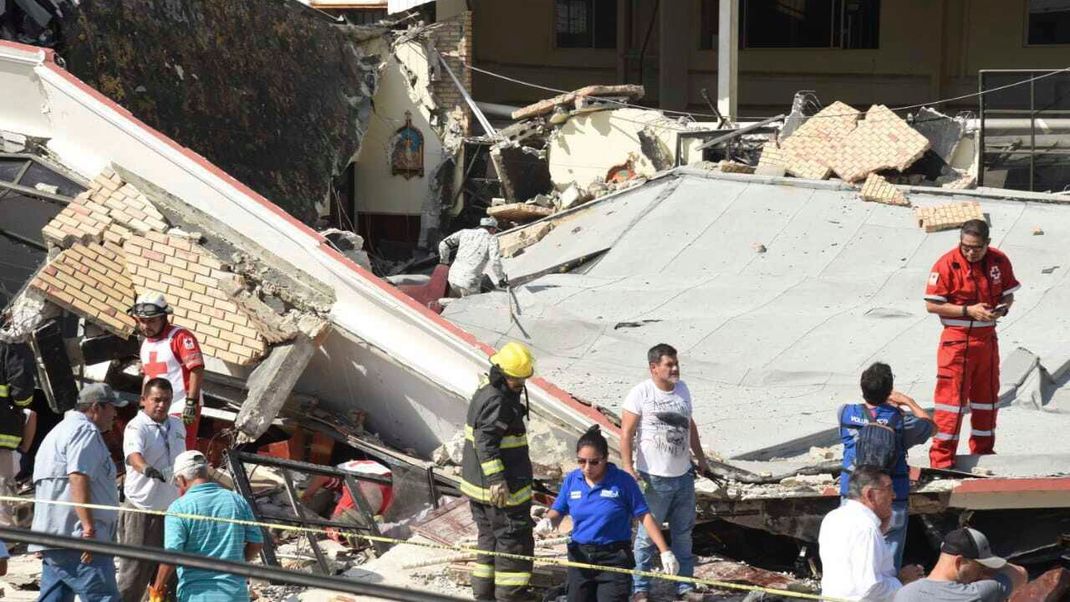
771, 342
411, 371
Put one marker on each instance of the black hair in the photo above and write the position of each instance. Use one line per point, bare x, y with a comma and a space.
593, 438
157, 383
659, 351
976, 227
862, 477
877, 382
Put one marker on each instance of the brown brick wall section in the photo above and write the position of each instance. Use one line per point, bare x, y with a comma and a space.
108, 200
188, 275
453, 39
90, 280
949, 216
881, 141
878, 189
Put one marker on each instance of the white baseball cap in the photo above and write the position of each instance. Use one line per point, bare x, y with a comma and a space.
189, 459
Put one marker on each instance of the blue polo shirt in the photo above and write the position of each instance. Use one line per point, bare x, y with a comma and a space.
210, 538
601, 514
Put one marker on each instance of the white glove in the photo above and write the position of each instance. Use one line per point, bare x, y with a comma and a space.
545, 526
669, 564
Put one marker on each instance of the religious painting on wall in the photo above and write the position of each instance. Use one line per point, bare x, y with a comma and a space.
407, 153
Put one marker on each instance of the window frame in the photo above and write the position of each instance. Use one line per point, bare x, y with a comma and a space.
1025, 32
834, 35
592, 7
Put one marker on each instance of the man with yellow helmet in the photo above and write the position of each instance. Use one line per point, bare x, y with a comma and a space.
496, 476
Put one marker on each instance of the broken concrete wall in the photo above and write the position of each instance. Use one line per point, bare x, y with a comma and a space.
272, 92
588, 145
412, 88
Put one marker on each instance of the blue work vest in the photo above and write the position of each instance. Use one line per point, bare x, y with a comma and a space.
853, 417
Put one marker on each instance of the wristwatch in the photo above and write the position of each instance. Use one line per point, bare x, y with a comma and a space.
964, 312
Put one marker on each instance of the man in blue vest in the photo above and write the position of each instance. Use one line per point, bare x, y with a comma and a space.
912, 425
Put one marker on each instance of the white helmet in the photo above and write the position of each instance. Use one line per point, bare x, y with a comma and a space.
488, 222
150, 305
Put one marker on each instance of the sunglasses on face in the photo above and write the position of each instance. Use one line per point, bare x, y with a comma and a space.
594, 462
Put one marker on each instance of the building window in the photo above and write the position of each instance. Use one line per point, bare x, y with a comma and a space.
810, 23
1049, 22
708, 24
586, 23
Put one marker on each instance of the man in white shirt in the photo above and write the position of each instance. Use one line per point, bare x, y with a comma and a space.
151, 442
857, 563
657, 423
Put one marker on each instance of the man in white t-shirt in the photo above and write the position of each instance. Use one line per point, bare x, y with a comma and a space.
151, 442
657, 415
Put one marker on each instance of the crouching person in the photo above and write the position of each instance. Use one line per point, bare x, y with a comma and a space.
602, 501
223, 540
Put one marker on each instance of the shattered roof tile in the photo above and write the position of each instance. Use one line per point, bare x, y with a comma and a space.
189, 276
881, 141
89, 279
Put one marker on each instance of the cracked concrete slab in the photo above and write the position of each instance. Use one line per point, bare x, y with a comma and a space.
771, 342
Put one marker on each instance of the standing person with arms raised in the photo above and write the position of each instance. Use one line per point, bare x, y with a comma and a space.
603, 501
657, 424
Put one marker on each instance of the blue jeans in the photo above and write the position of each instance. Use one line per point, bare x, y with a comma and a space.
672, 500
896, 537
63, 575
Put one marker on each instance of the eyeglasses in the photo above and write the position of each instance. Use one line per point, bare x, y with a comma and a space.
972, 248
594, 462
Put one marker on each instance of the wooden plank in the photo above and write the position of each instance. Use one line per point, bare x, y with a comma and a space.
542, 107
519, 212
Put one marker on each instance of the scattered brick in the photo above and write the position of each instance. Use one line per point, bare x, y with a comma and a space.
949, 216
878, 189
809, 151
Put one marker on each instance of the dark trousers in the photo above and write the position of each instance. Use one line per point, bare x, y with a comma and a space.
505, 530
138, 529
593, 585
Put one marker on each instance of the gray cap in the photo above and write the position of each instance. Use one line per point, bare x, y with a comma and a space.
99, 393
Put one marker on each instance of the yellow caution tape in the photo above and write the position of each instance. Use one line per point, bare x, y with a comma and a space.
455, 548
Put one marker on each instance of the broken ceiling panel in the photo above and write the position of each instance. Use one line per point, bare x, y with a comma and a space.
283, 113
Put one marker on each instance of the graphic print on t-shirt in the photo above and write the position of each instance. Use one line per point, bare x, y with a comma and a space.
672, 429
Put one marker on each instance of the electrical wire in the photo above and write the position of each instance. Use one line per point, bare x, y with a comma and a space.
894, 109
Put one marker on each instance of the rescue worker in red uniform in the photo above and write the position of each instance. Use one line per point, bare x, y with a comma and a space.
970, 287
496, 476
171, 352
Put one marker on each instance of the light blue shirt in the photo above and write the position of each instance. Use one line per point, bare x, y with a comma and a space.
74, 445
215, 539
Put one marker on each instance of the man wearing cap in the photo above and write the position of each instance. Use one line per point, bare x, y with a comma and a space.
967, 571
217, 539
496, 476
152, 442
73, 465
476, 247
171, 352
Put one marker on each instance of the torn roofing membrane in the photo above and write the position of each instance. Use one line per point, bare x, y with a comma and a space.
773, 341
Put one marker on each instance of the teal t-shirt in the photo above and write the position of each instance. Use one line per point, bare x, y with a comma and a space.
225, 541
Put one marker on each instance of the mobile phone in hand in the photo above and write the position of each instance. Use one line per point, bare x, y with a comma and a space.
1001, 309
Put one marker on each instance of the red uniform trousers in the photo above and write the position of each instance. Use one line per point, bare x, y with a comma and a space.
967, 369
191, 429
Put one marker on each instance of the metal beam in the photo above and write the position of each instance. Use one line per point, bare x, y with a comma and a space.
26, 190
476, 111
254, 571
740, 132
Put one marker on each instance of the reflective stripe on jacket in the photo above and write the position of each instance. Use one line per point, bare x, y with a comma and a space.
496, 444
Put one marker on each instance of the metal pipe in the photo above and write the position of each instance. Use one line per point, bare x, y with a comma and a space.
254, 571
328, 471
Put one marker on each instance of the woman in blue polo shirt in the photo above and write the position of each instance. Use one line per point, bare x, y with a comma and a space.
602, 501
